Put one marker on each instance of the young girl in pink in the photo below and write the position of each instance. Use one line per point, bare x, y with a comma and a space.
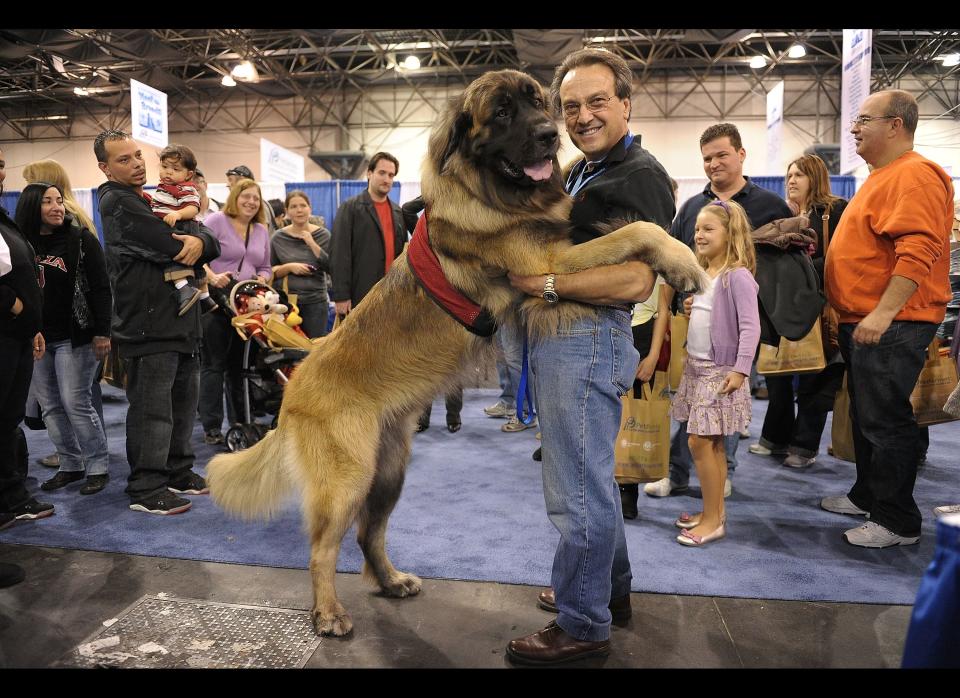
714, 393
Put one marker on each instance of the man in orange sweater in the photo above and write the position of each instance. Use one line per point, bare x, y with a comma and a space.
886, 275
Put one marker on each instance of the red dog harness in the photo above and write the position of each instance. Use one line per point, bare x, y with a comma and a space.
429, 274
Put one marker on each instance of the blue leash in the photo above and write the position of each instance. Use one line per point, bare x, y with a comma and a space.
523, 392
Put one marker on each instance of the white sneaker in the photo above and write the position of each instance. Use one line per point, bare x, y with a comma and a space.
762, 450
841, 505
727, 488
795, 461
662, 488
501, 409
873, 535
947, 509
745, 434
514, 424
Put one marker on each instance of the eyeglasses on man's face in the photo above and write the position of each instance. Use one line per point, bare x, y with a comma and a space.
594, 104
864, 120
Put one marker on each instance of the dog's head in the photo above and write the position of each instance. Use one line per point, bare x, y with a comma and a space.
500, 125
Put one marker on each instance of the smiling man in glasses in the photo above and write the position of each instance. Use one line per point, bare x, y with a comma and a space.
579, 374
887, 276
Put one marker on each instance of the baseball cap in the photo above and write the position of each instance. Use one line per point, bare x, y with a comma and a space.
240, 171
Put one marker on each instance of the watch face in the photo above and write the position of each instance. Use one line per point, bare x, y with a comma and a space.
550, 296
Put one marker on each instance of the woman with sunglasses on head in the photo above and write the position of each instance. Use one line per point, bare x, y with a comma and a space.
240, 228
76, 325
798, 436
53, 172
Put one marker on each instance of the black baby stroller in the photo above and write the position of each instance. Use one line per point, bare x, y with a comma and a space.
261, 319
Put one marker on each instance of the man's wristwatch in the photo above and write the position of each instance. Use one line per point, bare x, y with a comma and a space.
549, 294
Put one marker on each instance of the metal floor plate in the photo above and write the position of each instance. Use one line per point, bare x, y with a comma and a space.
160, 631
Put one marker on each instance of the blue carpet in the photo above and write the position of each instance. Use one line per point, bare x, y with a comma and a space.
472, 508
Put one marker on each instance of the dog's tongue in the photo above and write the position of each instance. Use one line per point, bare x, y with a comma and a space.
539, 172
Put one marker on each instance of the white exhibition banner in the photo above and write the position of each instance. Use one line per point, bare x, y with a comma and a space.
148, 115
854, 88
277, 164
775, 129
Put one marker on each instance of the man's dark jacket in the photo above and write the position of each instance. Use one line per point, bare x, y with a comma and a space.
632, 186
145, 306
357, 257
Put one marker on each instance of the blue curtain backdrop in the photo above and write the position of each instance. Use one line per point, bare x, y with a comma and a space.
843, 186
9, 201
326, 197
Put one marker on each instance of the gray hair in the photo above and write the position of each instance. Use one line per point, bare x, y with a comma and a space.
622, 75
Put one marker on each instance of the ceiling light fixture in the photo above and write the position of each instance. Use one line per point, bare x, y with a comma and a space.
411, 63
80, 91
758, 62
950, 60
245, 71
228, 81
797, 51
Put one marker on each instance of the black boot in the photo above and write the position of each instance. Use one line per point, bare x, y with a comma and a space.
628, 500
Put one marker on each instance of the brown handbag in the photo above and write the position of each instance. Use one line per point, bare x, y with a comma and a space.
829, 320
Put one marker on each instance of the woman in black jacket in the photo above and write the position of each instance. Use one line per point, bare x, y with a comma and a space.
798, 437
21, 303
76, 326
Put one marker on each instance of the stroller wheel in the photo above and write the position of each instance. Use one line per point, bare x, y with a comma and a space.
242, 436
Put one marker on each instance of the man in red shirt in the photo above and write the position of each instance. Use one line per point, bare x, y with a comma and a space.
368, 234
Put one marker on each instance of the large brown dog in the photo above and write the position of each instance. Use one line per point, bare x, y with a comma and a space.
496, 203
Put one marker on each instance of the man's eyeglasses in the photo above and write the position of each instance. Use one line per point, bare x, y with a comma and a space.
863, 120
595, 104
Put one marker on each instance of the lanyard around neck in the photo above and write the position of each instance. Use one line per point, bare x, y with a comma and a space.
598, 168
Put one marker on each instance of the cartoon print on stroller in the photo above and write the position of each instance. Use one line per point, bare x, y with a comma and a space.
261, 320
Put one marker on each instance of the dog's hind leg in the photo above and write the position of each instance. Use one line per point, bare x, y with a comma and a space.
372, 525
330, 506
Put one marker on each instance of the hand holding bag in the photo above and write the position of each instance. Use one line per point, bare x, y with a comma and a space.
642, 450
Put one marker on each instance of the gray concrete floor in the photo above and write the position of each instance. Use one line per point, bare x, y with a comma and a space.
452, 624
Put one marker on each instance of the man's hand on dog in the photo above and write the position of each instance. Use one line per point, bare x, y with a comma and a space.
344, 307
531, 285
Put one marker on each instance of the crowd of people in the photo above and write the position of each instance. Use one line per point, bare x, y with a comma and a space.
155, 295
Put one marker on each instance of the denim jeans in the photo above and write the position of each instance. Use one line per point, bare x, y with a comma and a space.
16, 357
162, 391
681, 460
580, 375
886, 439
510, 339
63, 381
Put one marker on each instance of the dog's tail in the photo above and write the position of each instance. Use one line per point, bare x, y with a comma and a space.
253, 482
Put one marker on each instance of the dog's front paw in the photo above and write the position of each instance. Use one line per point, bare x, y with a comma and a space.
402, 585
678, 266
336, 622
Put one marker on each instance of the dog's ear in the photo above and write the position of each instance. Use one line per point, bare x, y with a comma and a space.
449, 134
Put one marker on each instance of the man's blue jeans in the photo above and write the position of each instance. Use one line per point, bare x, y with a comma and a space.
886, 440
63, 384
580, 375
163, 390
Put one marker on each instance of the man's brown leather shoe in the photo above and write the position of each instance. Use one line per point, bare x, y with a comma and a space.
554, 646
619, 607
